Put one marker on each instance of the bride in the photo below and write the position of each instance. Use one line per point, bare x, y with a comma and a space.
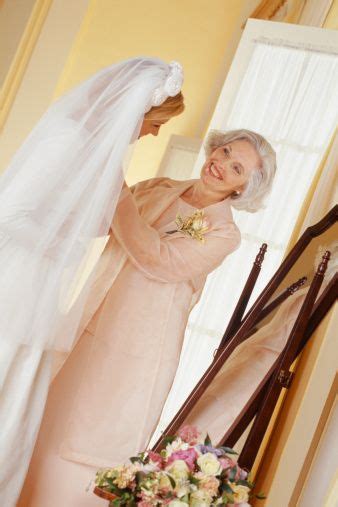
59, 194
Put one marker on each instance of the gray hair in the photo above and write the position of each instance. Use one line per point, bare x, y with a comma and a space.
260, 182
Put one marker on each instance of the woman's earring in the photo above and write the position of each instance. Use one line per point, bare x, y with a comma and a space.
235, 194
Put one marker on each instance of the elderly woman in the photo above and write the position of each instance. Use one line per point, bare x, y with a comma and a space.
106, 401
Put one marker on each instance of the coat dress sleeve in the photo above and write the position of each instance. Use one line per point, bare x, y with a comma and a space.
175, 257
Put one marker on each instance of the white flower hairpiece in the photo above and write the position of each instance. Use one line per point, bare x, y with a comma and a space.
171, 86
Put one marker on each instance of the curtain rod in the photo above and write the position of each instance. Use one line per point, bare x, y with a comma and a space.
329, 50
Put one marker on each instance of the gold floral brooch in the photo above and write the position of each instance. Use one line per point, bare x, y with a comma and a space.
193, 225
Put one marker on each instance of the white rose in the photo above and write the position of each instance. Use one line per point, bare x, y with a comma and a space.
209, 464
164, 482
176, 445
241, 493
200, 499
177, 503
182, 488
178, 470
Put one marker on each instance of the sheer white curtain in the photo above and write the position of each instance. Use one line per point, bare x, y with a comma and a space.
289, 95
326, 193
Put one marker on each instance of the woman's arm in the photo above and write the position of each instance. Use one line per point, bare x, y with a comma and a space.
172, 258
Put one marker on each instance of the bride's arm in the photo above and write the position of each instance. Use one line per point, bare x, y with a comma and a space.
25, 196
174, 257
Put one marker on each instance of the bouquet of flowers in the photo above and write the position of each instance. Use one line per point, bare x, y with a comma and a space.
187, 472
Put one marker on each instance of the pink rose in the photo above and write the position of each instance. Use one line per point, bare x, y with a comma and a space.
238, 474
229, 463
208, 483
189, 434
189, 456
155, 458
226, 462
243, 474
144, 503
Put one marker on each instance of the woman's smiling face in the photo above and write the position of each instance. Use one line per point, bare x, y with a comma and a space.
229, 167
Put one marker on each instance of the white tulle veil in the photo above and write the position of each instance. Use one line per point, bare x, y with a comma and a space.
60, 191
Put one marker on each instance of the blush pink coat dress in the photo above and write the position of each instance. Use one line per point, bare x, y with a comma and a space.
107, 399
244, 371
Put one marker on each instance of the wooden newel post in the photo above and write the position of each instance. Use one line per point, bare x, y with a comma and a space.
282, 377
240, 308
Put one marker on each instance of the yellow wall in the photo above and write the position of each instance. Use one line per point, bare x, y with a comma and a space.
332, 17
13, 19
194, 32
43, 71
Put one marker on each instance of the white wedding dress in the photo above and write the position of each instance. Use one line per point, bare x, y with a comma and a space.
57, 195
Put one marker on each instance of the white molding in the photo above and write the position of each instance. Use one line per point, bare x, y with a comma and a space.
179, 157
21, 57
